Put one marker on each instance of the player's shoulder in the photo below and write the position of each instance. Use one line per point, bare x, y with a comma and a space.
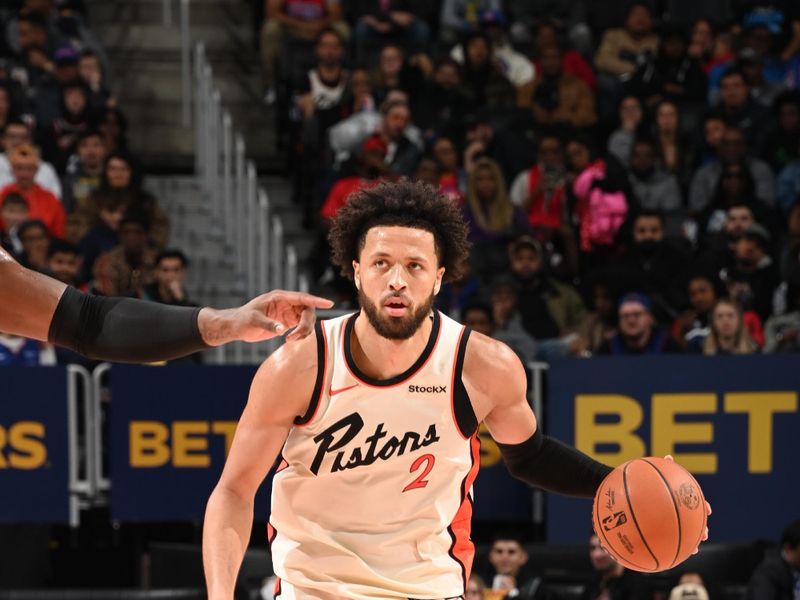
295, 360
491, 361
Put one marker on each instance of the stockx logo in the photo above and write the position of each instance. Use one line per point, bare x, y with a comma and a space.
429, 389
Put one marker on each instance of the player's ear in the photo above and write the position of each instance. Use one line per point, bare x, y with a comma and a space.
357, 274
438, 285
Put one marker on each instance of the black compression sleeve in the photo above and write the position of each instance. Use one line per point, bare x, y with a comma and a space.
546, 463
124, 329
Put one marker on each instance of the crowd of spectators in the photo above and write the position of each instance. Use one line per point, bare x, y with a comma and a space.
510, 573
630, 171
71, 198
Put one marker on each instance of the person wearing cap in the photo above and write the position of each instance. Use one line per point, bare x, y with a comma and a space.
638, 334
551, 311
15, 134
42, 204
63, 71
754, 276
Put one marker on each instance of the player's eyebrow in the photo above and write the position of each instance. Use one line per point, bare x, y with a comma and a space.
383, 254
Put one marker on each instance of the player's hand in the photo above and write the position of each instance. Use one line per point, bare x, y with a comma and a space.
708, 514
267, 316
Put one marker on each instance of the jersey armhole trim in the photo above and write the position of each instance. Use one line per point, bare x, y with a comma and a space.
463, 412
322, 359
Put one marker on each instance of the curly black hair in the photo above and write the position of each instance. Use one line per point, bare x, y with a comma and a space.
403, 204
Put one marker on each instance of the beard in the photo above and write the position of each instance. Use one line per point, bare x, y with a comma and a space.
395, 328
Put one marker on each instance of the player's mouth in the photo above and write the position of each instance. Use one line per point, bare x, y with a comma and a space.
396, 307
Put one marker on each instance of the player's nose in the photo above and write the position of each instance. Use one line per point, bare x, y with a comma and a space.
397, 279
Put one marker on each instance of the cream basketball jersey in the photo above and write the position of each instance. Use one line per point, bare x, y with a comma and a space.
373, 495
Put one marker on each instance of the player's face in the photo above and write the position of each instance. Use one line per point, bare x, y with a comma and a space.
397, 276
507, 557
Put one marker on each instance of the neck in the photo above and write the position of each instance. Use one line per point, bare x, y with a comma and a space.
383, 358
25, 185
165, 292
616, 570
726, 342
330, 70
638, 341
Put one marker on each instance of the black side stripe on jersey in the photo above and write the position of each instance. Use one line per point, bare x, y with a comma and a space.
315, 396
465, 497
466, 420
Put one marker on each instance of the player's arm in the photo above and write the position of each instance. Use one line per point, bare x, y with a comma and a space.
496, 382
281, 391
127, 330
27, 299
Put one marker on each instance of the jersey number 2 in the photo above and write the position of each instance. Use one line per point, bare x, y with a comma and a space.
420, 482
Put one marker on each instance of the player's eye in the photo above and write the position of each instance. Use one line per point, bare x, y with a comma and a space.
414, 266
380, 263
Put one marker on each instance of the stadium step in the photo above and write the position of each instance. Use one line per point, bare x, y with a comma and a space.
146, 75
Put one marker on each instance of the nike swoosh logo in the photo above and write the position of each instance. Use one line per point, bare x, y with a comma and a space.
333, 392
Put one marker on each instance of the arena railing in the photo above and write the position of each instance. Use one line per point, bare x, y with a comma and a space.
185, 40
252, 228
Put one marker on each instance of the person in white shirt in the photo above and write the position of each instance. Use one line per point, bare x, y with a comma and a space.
16, 134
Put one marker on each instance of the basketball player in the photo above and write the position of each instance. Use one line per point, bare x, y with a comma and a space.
35, 306
375, 418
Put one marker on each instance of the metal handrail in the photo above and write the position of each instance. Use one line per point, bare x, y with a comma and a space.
81, 489
254, 233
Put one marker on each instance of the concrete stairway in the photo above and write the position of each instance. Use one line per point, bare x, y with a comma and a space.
146, 75
212, 277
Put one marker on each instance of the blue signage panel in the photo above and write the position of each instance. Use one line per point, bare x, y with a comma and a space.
732, 421
34, 445
498, 496
171, 428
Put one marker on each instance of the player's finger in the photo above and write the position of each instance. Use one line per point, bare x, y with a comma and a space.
302, 299
669, 457
304, 327
708, 508
271, 326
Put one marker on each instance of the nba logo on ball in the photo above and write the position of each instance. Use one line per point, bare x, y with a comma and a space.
647, 514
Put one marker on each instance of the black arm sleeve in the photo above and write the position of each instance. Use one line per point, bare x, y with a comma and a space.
546, 463
124, 329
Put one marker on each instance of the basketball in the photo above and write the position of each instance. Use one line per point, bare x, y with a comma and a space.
649, 514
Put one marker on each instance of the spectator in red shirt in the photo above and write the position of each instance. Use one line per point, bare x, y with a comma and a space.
572, 63
42, 205
369, 167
